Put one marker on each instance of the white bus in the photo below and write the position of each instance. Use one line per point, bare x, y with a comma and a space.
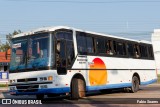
64, 60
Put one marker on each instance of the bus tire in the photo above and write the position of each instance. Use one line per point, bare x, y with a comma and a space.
135, 84
77, 88
40, 96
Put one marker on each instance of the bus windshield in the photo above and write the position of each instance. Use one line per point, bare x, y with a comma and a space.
30, 53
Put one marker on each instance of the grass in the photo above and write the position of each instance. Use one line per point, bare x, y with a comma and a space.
3, 85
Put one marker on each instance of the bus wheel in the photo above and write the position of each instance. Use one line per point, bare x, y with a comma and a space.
40, 96
135, 84
77, 88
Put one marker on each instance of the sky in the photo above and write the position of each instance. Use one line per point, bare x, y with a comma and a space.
134, 19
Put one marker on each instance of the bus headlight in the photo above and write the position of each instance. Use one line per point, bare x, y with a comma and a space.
12, 81
50, 78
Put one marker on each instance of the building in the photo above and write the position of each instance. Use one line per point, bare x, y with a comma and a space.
5, 58
156, 47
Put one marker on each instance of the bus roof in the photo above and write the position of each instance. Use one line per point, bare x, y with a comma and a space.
50, 29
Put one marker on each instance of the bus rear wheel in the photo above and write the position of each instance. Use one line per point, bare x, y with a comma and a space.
135, 84
77, 88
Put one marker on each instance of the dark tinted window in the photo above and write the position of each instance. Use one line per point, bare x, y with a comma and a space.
81, 44
137, 50
90, 45
64, 35
130, 49
101, 45
70, 52
143, 51
115, 47
150, 52
121, 50
85, 44
109, 47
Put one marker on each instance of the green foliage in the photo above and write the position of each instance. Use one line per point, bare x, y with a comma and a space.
9, 36
6, 46
3, 85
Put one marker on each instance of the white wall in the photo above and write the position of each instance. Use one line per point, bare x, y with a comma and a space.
156, 47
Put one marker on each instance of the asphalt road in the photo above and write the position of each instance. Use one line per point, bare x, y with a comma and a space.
146, 96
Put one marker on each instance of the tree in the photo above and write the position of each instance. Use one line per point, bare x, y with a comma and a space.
9, 36
6, 46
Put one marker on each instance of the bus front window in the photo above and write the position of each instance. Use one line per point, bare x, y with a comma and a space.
38, 51
31, 53
19, 54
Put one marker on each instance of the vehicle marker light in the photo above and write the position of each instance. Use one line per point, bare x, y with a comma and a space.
50, 78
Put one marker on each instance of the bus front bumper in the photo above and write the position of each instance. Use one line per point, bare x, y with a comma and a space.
41, 91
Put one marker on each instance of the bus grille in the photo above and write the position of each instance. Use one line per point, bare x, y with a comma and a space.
27, 80
27, 88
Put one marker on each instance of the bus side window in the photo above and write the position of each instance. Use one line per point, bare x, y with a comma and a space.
121, 48
81, 44
130, 50
109, 47
114, 48
61, 55
143, 50
137, 51
101, 45
150, 52
90, 44
64, 35
70, 52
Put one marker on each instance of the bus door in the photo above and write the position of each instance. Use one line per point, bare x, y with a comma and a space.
64, 55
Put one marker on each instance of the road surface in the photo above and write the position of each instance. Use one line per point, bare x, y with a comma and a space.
146, 96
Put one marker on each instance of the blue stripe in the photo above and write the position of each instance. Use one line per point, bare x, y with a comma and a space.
149, 82
45, 91
121, 85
